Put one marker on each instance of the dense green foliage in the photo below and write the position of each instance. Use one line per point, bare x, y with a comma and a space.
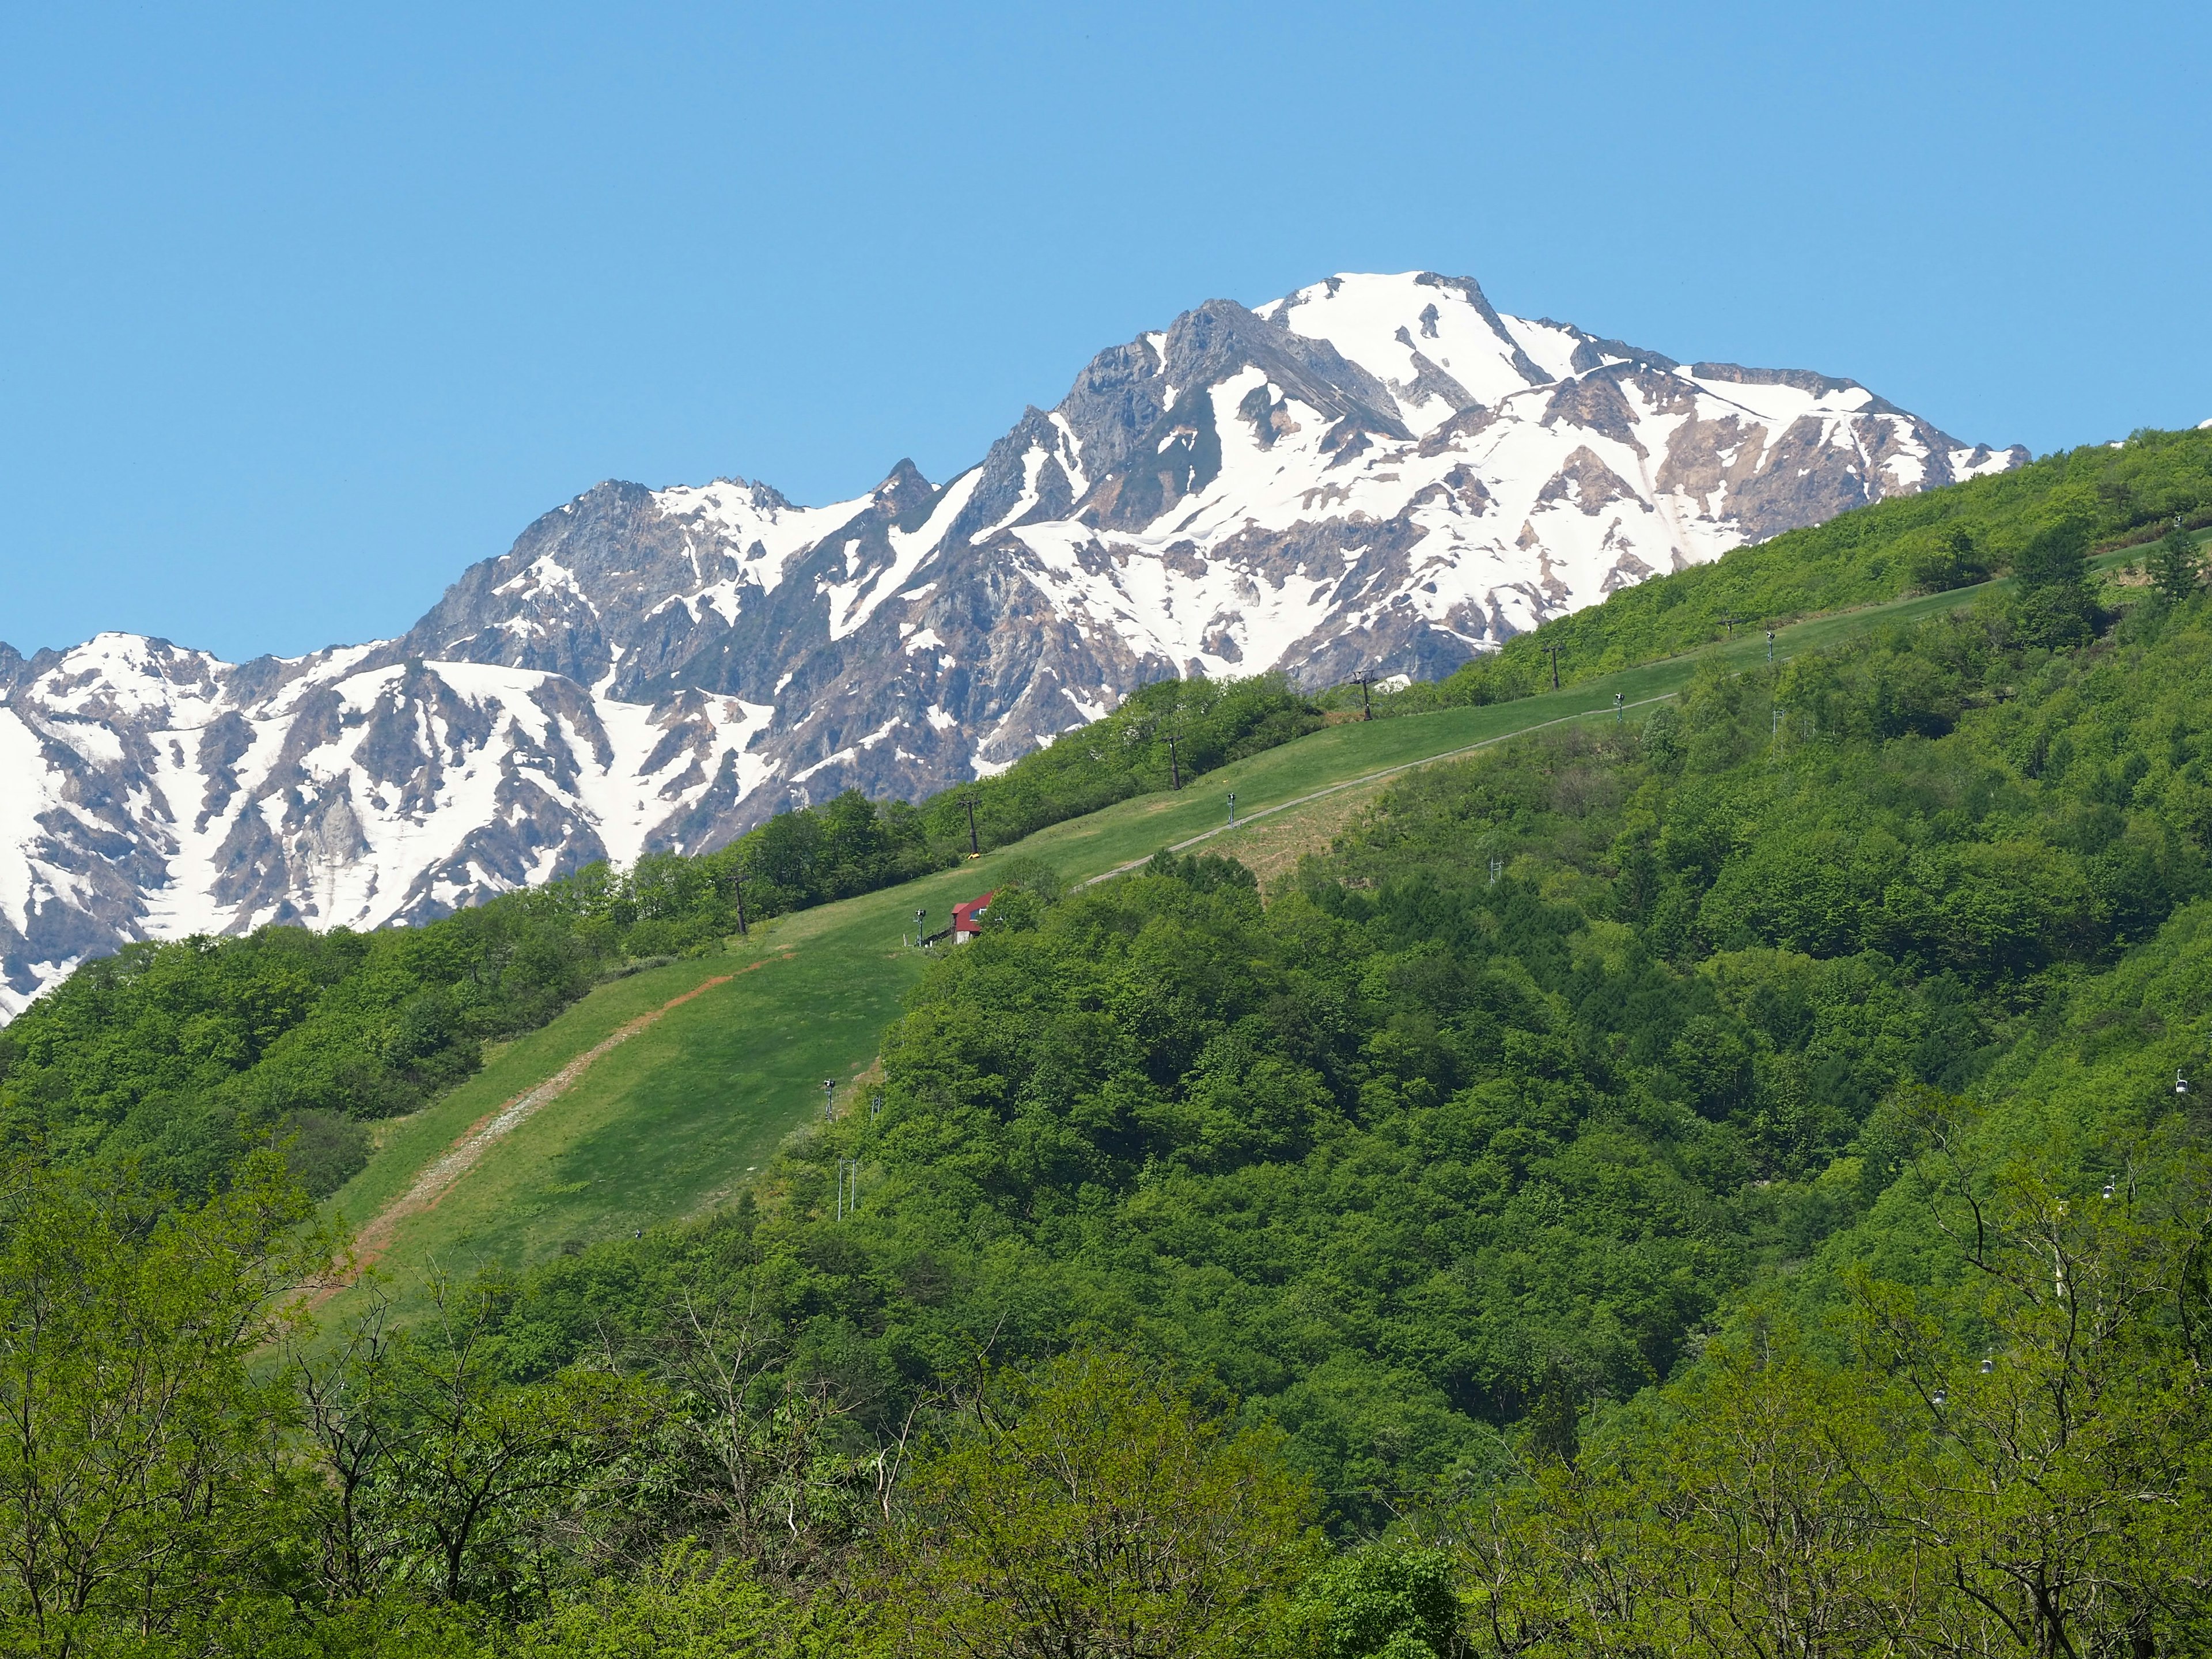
1734, 1185
1940, 539
2054, 605
133, 1425
179, 1057
1093, 1500
2176, 565
1388, 1155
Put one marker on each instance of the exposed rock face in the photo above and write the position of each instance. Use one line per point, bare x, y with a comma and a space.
1375, 472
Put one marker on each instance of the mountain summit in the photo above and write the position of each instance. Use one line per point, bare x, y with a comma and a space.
1379, 472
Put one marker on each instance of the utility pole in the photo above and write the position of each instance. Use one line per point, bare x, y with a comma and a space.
918, 915
1730, 622
738, 887
1554, 650
1232, 809
875, 1105
974, 851
1175, 766
1770, 645
1497, 868
829, 1096
1366, 704
1619, 710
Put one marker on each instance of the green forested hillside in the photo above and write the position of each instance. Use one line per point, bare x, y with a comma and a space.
1394, 1154
177, 1058
1733, 1183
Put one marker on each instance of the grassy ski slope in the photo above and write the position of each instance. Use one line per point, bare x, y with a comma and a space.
565, 1137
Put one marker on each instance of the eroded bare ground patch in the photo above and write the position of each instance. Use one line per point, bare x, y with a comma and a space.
1271, 847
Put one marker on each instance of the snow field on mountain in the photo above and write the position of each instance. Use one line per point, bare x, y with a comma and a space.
362, 838
1382, 322
851, 604
765, 539
29, 794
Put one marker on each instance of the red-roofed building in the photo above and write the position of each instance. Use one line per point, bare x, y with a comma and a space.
968, 918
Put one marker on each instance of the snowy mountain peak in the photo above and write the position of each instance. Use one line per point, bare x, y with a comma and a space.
1436, 341
1377, 471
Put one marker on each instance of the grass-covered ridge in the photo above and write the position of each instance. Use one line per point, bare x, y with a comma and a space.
1940, 539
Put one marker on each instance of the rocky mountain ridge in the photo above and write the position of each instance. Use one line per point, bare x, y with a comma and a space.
1376, 472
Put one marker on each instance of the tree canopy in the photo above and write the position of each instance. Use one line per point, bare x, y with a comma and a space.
1737, 1184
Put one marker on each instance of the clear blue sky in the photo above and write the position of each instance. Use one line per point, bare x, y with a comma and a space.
303, 308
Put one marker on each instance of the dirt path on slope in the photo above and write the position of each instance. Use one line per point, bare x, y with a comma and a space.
470, 1146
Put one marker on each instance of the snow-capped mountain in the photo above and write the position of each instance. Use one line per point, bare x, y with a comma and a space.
1376, 472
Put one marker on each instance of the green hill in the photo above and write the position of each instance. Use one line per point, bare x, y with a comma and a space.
1709, 1158
677, 1119
1712, 944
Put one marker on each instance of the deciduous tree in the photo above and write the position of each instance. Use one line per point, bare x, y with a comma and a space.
1096, 1508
